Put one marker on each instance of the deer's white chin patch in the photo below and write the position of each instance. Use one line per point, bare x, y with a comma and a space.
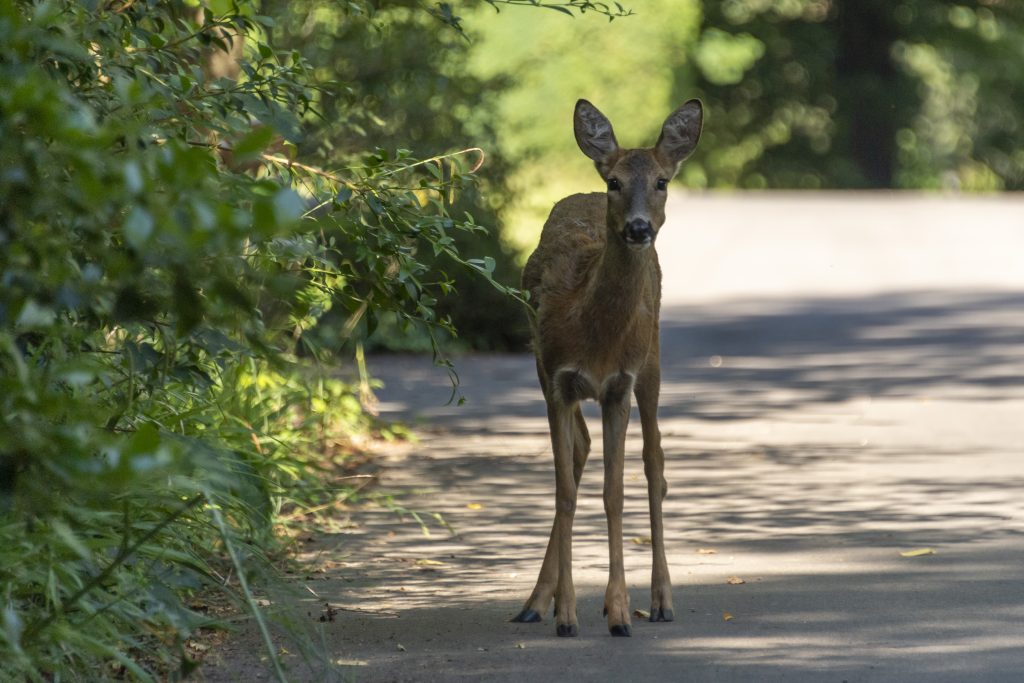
639, 246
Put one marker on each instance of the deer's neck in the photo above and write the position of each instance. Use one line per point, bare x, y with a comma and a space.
621, 286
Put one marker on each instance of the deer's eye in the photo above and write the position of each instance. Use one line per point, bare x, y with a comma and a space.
661, 184
614, 185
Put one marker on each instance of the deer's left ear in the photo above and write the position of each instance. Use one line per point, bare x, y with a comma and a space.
595, 136
680, 133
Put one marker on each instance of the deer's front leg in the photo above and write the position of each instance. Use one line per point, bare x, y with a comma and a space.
615, 417
647, 388
543, 592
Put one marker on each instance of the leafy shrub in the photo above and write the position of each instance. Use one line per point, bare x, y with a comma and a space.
163, 256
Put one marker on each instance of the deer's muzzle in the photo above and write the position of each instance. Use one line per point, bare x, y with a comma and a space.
638, 233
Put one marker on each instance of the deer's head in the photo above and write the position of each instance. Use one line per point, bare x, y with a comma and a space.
637, 178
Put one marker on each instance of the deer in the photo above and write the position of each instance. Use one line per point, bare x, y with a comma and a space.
594, 286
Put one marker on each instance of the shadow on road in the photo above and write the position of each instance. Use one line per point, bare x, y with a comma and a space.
728, 364
809, 443
743, 360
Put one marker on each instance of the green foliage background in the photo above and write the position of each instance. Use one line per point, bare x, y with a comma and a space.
868, 94
799, 94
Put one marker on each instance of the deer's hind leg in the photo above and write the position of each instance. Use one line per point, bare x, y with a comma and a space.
615, 417
647, 388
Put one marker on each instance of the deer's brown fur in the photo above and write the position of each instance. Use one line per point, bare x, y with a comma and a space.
595, 284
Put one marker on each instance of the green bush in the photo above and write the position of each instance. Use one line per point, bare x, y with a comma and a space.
163, 257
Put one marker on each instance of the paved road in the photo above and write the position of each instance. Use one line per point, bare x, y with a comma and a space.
843, 383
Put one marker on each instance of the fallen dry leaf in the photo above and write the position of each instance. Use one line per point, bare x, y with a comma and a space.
706, 551
641, 613
475, 506
642, 540
520, 646
918, 552
428, 563
726, 616
735, 580
400, 647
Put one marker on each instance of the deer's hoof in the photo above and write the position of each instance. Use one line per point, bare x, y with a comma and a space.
527, 616
567, 630
662, 614
621, 630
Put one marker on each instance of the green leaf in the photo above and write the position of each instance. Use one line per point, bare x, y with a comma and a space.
146, 450
71, 540
145, 439
253, 144
220, 8
133, 177
34, 316
138, 227
558, 8
288, 207
13, 625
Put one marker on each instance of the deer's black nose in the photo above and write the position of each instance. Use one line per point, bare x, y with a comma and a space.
638, 232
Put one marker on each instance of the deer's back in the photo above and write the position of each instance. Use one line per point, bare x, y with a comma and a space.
570, 244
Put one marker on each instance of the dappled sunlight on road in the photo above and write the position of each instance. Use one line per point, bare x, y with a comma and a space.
829, 437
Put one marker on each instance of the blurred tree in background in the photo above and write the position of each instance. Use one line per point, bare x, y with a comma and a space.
862, 94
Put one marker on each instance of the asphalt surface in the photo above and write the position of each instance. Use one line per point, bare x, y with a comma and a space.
843, 383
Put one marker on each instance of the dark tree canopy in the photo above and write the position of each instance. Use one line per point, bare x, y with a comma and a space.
863, 93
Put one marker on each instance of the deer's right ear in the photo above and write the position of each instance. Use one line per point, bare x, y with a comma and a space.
680, 133
594, 135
